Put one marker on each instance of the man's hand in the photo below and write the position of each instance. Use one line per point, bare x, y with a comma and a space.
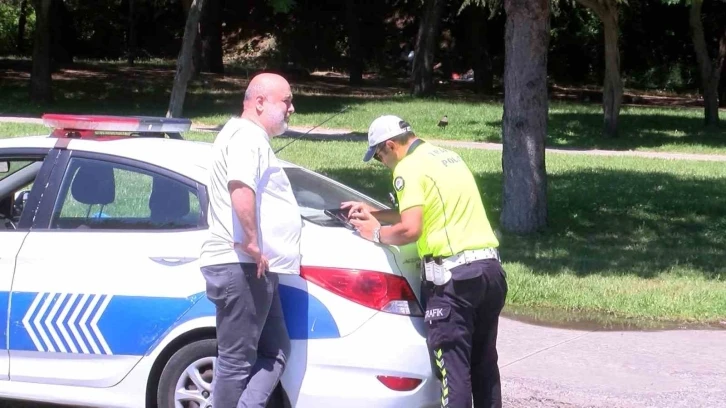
253, 250
355, 207
365, 223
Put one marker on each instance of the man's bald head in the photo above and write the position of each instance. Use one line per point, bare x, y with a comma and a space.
268, 102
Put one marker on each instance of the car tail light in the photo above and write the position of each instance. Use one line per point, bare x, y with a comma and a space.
399, 383
377, 290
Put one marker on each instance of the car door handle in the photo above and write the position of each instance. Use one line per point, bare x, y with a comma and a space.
171, 261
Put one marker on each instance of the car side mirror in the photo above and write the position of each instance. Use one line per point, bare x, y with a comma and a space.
4, 166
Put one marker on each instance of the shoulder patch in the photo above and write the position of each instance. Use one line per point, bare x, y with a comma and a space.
398, 183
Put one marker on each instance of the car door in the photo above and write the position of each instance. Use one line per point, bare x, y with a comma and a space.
110, 265
19, 169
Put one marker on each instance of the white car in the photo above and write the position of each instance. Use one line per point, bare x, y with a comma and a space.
102, 302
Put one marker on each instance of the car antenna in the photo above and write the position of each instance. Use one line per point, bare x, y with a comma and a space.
345, 108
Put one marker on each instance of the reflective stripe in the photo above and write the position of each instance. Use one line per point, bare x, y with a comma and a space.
444, 381
469, 256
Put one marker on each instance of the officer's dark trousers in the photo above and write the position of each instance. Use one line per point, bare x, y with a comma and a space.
462, 317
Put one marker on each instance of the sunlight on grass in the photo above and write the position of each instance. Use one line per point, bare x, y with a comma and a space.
22, 129
110, 87
627, 236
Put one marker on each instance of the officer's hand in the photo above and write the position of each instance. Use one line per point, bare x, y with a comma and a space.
365, 223
253, 250
355, 207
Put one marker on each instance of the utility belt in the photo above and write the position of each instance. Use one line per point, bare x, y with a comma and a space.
437, 270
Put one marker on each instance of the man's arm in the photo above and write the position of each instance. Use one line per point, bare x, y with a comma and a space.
387, 216
404, 232
244, 205
244, 167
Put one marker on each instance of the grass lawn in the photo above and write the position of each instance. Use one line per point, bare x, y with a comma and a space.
628, 238
111, 88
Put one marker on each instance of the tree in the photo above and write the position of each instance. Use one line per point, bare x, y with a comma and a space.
710, 69
355, 58
210, 30
478, 20
524, 122
184, 65
131, 57
425, 50
22, 20
40, 76
612, 98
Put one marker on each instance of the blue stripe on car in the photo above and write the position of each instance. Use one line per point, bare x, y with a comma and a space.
133, 325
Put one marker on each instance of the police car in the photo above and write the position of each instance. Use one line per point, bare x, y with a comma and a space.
103, 302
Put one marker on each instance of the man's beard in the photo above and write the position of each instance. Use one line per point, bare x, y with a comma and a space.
280, 124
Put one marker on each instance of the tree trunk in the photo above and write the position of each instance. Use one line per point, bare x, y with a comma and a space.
196, 58
423, 60
210, 31
524, 122
62, 41
613, 87
722, 86
710, 70
22, 20
612, 98
131, 57
483, 75
184, 62
40, 77
354, 51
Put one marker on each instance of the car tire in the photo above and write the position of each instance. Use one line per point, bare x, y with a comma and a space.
201, 354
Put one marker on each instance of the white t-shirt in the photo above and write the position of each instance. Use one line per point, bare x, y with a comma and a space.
242, 152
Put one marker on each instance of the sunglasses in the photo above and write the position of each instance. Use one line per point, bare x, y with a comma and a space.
378, 149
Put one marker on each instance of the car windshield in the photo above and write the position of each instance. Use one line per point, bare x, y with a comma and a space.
315, 194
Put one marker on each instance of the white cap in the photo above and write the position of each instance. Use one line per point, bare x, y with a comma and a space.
384, 128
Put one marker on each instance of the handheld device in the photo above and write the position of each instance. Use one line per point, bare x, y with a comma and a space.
340, 215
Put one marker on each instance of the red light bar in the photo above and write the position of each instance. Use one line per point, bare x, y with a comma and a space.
116, 123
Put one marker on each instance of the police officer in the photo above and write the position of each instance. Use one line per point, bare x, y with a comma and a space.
464, 285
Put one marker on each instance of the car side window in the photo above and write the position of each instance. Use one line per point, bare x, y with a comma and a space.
96, 194
17, 175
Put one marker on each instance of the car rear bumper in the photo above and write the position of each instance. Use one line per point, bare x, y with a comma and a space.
343, 372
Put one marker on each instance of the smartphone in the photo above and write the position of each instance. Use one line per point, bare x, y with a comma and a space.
340, 215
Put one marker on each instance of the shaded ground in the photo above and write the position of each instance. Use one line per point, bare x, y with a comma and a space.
330, 84
652, 121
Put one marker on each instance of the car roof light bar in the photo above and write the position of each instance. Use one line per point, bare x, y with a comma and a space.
110, 123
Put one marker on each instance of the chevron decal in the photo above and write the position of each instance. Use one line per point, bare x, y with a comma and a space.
62, 322
106, 324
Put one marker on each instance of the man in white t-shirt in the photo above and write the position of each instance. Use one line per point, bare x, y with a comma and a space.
254, 235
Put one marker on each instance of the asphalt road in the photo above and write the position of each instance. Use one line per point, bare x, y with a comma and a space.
544, 367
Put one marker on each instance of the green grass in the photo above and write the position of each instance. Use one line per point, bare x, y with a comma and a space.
21, 129
627, 238
112, 88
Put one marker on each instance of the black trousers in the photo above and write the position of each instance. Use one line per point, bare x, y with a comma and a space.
462, 318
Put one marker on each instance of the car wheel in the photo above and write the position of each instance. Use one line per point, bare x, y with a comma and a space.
186, 381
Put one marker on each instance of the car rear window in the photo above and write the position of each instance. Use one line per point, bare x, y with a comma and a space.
315, 193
